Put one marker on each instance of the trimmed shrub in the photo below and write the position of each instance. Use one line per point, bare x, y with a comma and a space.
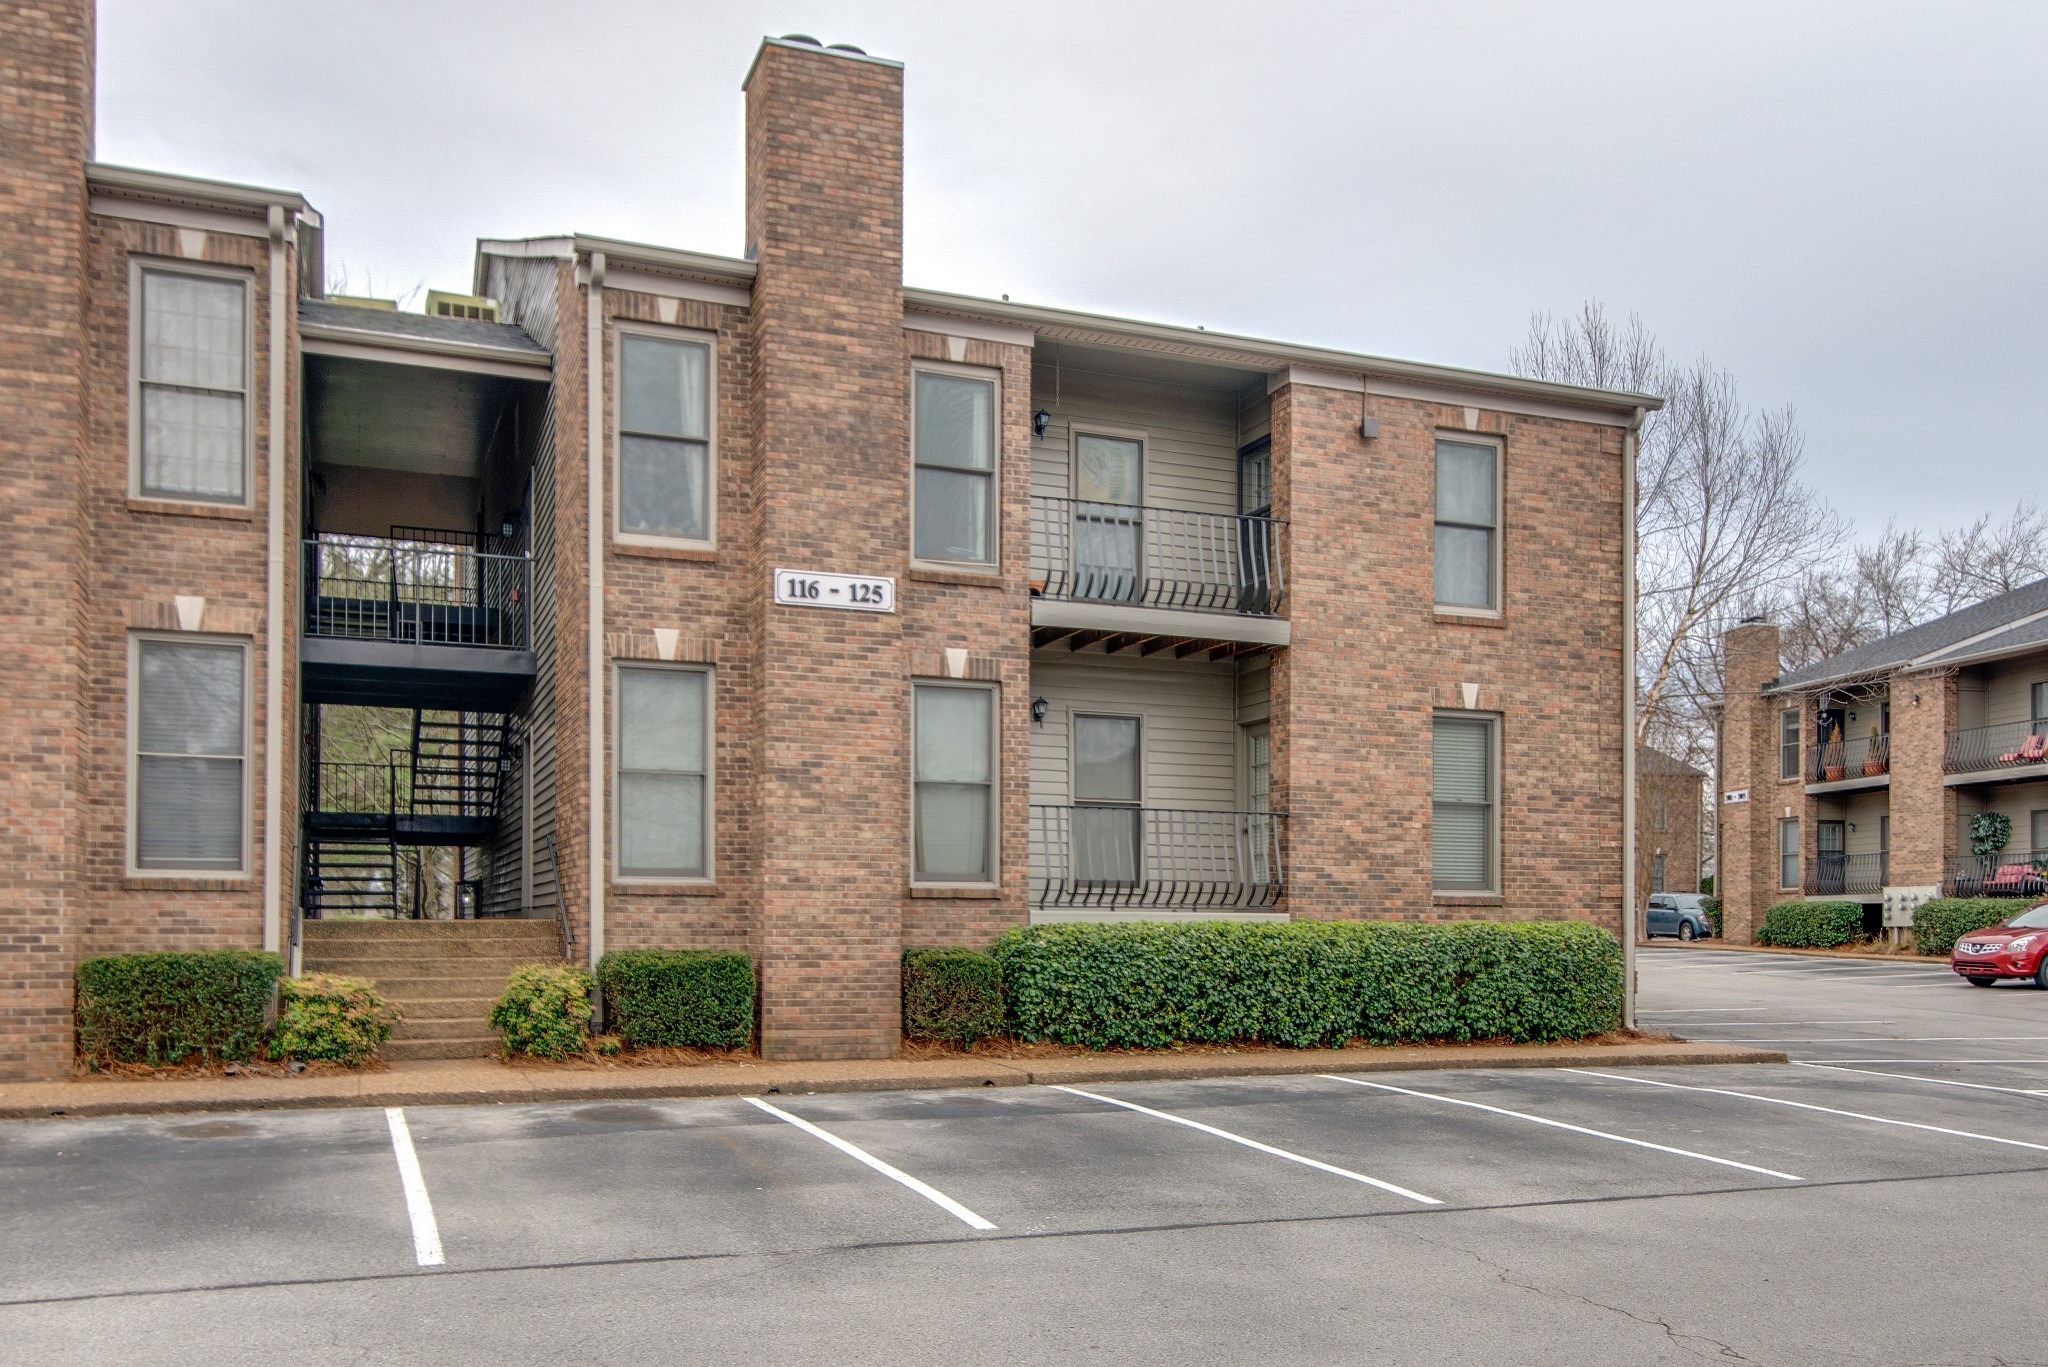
214, 1004
679, 998
326, 1016
1939, 923
1812, 925
951, 995
545, 1010
1712, 907
1307, 983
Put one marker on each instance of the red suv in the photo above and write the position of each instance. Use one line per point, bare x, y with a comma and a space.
2016, 949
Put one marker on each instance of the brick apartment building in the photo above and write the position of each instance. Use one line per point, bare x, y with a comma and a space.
1670, 814
758, 602
1859, 777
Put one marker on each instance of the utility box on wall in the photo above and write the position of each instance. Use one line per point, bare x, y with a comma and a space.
1901, 903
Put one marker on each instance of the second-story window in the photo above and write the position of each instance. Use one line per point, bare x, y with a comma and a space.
190, 389
1468, 525
1788, 743
953, 433
664, 485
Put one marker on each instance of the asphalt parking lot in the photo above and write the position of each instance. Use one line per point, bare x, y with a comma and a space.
1844, 1208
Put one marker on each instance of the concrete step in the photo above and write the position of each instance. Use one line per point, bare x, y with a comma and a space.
415, 986
417, 966
449, 934
419, 1009
468, 1027
472, 1046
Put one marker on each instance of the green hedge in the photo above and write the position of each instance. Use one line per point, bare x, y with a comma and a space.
1713, 909
952, 995
1307, 983
1938, 924
1812, 925
545, 1010
687, 998
165, 1008
326, 1016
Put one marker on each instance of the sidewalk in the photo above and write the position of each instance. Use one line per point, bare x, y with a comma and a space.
469, 1082
1720, 947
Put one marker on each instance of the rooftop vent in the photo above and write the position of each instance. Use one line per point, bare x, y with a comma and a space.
441, 304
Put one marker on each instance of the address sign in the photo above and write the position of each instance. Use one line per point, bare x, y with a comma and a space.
849, 592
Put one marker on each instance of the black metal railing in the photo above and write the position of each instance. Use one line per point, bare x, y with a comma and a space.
356, 788
2011, 746
1864, 757
427, 592
2007, 873
1115, 856
1832, 875
1156, 557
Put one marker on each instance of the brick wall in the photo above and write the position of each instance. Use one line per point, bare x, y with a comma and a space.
1923, 809
1679, 839
45, 140
1747, 859
1372, 660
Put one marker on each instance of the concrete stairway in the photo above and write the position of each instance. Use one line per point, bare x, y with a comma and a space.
445, 975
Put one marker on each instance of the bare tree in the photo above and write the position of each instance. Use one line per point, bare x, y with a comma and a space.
1986, 559
1723, 519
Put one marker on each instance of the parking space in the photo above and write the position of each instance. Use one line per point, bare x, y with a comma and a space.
1441, 1185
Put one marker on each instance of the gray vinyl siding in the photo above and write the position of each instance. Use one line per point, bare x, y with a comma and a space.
1865, 811
542, 721
1254, 691
1191, 437
2009, 692
1189, 727
2019, 801
525, 290
1255, 417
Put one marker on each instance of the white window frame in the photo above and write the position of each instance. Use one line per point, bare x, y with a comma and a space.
138, 266
994, 378
1793, 751
133, 834
1797, 856
618, 776
621, 330
995, 784
1500, 521
1494, 855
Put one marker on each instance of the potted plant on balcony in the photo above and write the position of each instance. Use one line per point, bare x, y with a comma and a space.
1873, 755
1832, 767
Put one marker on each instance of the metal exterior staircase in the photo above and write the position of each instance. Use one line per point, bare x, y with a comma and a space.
456, 765
352, 878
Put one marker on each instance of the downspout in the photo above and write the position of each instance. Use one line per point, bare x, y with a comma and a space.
275, 725
1628, 719
593, 369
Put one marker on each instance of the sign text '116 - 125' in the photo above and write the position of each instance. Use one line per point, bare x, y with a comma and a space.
851, 592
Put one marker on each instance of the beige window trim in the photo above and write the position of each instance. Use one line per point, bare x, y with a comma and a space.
1500, 521
995, 786
622, 329
617, 785
1496, 857
994, 379
132, 832
138, 266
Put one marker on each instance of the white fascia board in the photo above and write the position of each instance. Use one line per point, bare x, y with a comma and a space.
320, 340
675, 287
129, 182
966, 327
1350, 382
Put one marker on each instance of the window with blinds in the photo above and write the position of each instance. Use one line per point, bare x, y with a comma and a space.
191, 390
954, 451
1463, 824
1788, 743
1468, 524
664, 438
953, 784
191, 755
1788, 853
664, 770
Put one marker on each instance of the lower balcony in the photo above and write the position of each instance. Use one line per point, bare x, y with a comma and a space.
2008, 873
1111, 856
1848, 875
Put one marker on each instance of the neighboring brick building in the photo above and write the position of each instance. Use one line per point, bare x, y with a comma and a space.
1670, 798
1135, 620
1859, 777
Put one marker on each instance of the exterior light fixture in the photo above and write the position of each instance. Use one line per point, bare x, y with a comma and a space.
1039, 707
1039, 422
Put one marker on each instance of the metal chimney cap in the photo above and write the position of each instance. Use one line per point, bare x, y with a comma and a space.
801, 38
848, 47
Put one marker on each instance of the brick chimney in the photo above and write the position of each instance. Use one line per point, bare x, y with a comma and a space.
46, 113
1746, 864
830, 409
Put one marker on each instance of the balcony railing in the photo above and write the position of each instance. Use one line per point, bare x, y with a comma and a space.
2010, 746
1833, 875
1156, 557
425, 592
1864, 757
1114, 856
2008, 873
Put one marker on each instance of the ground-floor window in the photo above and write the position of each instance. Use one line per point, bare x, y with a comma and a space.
663, 747
1657, 874
190, 730
953, 808
1464, 804
1788, 853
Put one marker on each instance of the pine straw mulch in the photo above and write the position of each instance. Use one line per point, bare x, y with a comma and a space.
1005, 1048
193, 1070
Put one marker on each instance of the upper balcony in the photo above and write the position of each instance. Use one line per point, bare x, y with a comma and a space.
2010, 753
1171, 558
1843, 765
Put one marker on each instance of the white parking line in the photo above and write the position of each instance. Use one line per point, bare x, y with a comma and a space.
1255, 1144
426, 1235
1809, 1106
1937, 1081
1883, 1039
1928, 1060
1561, 1125
929, 1193
1745, 1025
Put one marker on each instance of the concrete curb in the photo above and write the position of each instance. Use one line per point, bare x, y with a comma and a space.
471, 1082
1909, 960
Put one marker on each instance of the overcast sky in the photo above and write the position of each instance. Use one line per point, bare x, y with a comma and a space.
1844, 205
